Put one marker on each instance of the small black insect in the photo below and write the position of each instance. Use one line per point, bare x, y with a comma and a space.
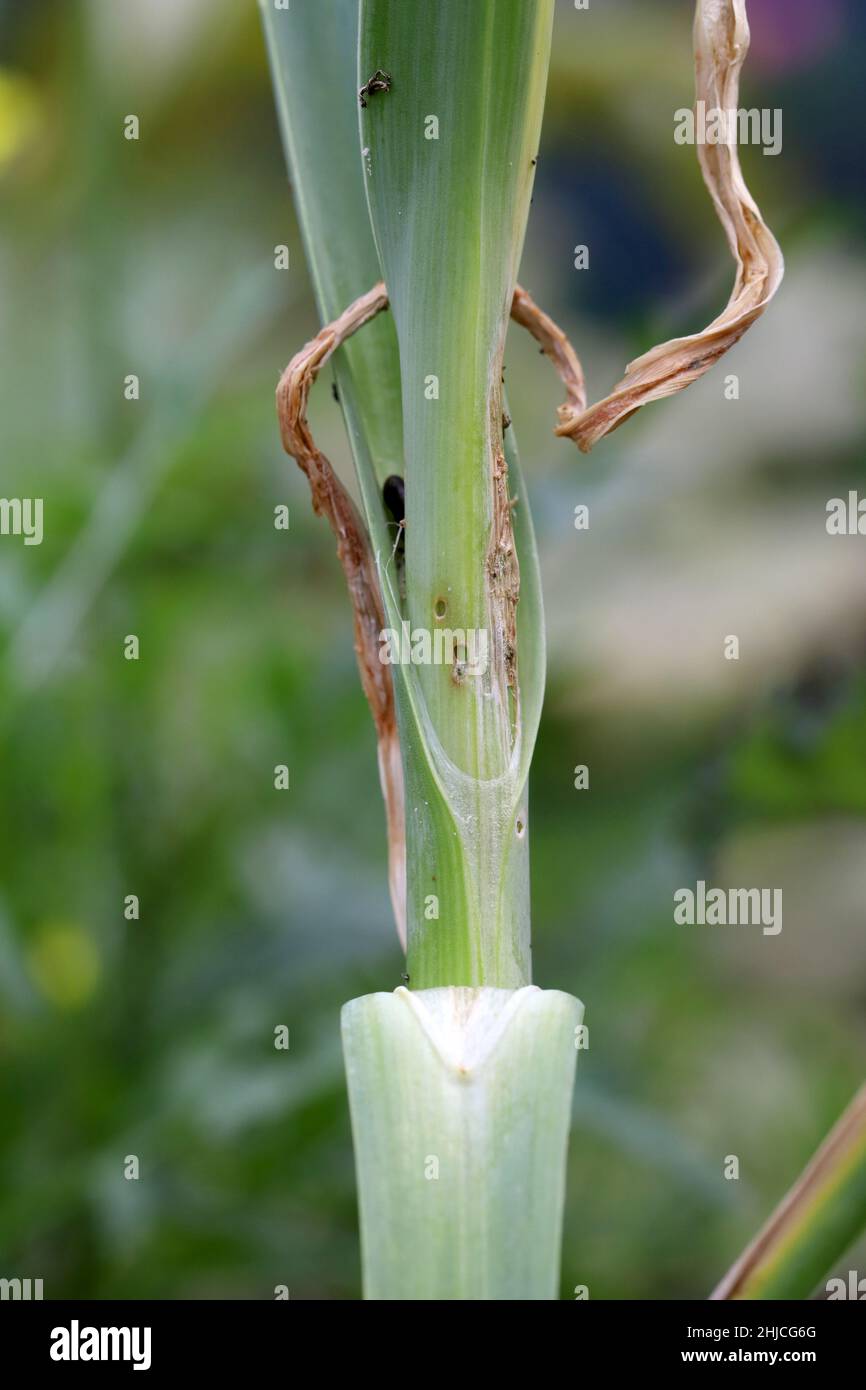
379, 82
405, 978
394, 497
394, 500
334, 392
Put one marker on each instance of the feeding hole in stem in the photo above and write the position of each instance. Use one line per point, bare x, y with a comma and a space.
440, 608
520, 827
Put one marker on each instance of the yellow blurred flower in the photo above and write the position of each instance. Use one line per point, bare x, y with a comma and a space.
64, 963
19, 114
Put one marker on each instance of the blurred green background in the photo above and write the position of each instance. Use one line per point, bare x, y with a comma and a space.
258, 907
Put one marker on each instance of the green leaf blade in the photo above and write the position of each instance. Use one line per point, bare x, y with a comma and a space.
449, 214
312, 52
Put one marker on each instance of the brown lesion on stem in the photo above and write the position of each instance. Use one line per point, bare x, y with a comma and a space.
503, 568
331, 500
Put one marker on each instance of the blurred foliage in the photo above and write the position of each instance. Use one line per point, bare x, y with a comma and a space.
259, 908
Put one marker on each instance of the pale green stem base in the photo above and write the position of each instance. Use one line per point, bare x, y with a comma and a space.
461, 1103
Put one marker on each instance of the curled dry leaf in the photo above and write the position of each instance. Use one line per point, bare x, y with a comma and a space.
330, 499
721, 35
556, 346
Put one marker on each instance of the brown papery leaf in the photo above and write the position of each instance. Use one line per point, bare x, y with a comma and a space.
721, 36
331, 500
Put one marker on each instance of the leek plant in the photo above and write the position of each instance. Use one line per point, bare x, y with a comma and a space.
411, 132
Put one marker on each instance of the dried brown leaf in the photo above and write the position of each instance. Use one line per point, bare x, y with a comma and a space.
556, 346
721, 37
330, 499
